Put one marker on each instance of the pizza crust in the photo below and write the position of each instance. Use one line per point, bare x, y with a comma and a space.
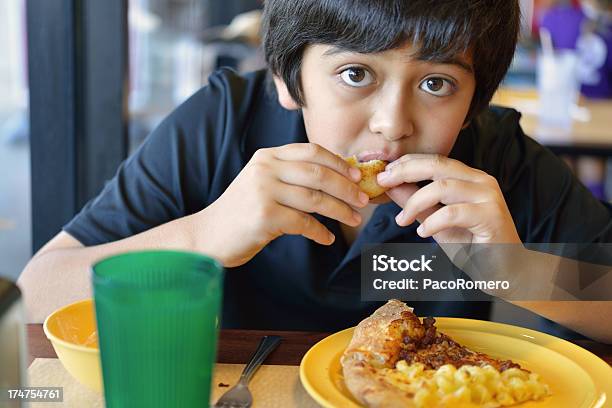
376, 344
371, 390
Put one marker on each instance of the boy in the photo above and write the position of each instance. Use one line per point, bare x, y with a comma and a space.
256, 182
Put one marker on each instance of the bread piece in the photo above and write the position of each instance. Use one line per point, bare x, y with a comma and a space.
369, 170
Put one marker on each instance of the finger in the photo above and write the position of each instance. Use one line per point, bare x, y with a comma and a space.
414, 156
414, 168
314, 153
402, 193
443, 191
293, 222
464, 215
315, 201
318, 177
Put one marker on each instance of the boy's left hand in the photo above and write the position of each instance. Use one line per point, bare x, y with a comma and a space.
474, 208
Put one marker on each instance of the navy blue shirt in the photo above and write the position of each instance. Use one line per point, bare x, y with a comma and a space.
189, 160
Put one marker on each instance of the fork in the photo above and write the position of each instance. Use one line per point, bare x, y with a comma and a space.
239, 395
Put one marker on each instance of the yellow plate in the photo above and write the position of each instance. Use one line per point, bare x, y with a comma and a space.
577, 378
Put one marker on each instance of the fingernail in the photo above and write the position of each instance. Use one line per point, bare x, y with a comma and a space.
399, 217
383, 175
331, 238
421, 230
363, 198
355, 174
392, 164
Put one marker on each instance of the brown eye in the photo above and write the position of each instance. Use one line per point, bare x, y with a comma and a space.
435, 84
356, 74
356, 77
438, 86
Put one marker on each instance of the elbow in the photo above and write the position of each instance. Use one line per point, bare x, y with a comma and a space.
31, 285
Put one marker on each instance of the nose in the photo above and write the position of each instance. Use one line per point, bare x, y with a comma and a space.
392, 117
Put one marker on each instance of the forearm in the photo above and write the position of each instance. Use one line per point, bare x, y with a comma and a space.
547, 285
590, 318
569, 303
58, 276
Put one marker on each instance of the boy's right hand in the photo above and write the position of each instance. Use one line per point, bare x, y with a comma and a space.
275, 194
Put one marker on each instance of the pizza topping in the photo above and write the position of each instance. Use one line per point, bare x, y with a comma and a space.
395, 359
427, 346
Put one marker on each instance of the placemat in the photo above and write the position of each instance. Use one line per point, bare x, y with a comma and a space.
272, 386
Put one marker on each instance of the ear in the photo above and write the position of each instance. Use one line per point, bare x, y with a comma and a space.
284, 97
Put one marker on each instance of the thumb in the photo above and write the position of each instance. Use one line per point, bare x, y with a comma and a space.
402, 193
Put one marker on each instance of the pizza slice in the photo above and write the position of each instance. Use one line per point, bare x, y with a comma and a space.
396, 360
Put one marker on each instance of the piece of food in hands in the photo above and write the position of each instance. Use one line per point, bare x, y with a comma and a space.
396, 360
369, 170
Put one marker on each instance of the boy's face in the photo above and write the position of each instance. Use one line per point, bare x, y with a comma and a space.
383, 105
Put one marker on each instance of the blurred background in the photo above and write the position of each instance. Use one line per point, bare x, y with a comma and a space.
163, 52
84, 81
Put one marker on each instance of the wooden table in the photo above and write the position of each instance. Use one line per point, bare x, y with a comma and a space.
590, 136
237, 346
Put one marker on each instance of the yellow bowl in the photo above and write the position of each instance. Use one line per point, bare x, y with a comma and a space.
72, 332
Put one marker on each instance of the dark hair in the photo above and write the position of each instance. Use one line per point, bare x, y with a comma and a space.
440, 29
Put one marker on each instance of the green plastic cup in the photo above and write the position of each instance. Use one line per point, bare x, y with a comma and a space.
157, 314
